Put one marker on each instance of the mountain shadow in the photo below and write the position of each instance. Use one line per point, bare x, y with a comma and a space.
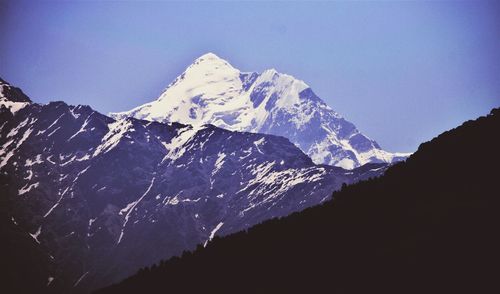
429, 225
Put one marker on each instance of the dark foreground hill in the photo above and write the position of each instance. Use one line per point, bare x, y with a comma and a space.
429, 225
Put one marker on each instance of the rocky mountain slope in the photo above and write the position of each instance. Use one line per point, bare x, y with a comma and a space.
428, 225
104, 197
211, 91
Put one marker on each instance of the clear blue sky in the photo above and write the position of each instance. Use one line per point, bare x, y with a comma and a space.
403, 72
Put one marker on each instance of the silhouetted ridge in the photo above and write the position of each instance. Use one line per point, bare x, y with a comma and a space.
429, 225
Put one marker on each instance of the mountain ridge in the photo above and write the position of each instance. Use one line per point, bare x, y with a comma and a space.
212, 91
426, 226
91, 189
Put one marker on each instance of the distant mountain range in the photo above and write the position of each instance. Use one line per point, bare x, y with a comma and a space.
428, 225
95, 198
211, 91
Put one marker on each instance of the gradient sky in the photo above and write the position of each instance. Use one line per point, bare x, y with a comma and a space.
402, 72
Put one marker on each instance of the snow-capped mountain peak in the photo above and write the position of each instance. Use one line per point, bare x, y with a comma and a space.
208, 86
209, 56
208, 68
212, 91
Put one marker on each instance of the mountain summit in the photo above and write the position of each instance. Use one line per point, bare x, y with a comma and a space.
12, 98
212, 91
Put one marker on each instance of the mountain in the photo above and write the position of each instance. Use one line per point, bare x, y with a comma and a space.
211, 91
12, 98
26, 265
428, 225
103, 197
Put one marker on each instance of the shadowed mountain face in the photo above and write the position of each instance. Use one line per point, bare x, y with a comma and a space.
428, 225
211, 91
103, 197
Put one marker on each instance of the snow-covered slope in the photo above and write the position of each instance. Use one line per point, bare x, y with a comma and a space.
12, 98
211, 91
105, 197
